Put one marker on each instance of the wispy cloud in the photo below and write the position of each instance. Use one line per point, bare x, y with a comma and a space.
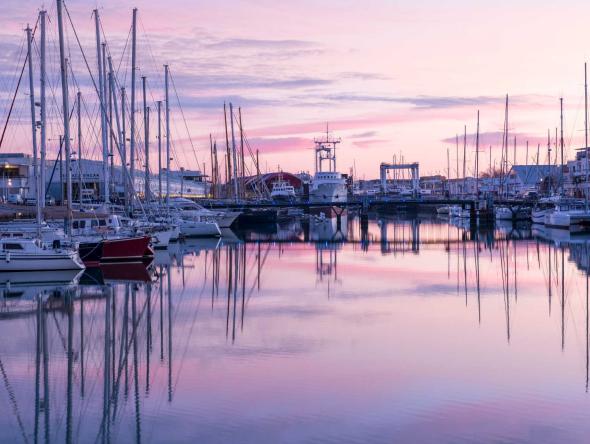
494, 139
422, 101
280, 144
243, 43
363, 135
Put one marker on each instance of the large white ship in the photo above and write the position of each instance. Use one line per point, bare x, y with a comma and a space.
328, 185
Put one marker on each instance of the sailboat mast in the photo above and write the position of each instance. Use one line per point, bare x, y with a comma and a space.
120, 134
65, 112
212, 191
101, 99
108, 113
506, 146
243, 170
586, 131
233, 140
124, 178
132, 111
228, 155
561, 141
448, 169
33, 122
160, 151
167, 112
43, 81
477, 159
146, 141
79, 112
464, 158
457, 159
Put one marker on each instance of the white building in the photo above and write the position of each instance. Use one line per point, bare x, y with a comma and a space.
14, 174
17, 172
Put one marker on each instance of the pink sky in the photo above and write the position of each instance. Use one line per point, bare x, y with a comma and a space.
389, 76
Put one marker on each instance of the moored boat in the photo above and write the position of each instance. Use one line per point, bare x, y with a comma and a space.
35, 255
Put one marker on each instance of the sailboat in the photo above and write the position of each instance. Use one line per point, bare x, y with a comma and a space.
32, 253
574, 216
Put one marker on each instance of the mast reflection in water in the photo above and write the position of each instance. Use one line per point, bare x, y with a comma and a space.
352, 329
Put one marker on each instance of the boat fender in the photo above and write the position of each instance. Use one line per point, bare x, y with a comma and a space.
8, 257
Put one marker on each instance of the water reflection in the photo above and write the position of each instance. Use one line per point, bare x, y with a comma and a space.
356, 329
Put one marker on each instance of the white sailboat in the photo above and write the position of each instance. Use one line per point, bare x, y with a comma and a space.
574, 217
34, 255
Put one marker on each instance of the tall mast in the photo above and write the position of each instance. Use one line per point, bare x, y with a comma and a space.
132, 111
243, 174
212, 166
561, 141
586, 132
43, 80
477, 159
101, 98
233, 140
506, 146
124, 179
228, 155
120, 134
514, 151
216, 169
448, 169
160, 151
146, 141
65, 112
33, 122
79, 112
457, 159
166, 75
107, 126
464, 158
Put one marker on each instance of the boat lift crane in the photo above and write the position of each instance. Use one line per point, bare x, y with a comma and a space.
414, 169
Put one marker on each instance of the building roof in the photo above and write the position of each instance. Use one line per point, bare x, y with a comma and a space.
533, 174
269, 178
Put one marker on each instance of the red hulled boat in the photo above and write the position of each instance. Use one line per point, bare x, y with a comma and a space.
123, 249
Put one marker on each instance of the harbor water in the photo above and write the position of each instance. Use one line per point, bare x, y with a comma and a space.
383, 330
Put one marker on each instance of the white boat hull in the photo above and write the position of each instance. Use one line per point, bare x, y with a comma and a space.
328, 193
37, 262
190, 228
227, 218
574, 221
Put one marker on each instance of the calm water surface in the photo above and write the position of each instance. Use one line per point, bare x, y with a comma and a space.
386, 331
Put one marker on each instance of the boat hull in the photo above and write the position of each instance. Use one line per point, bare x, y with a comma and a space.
125, 249
199, 229
131, 249
328, 193
26, 262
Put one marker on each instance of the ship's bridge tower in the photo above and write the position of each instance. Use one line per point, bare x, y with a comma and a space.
325, 151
